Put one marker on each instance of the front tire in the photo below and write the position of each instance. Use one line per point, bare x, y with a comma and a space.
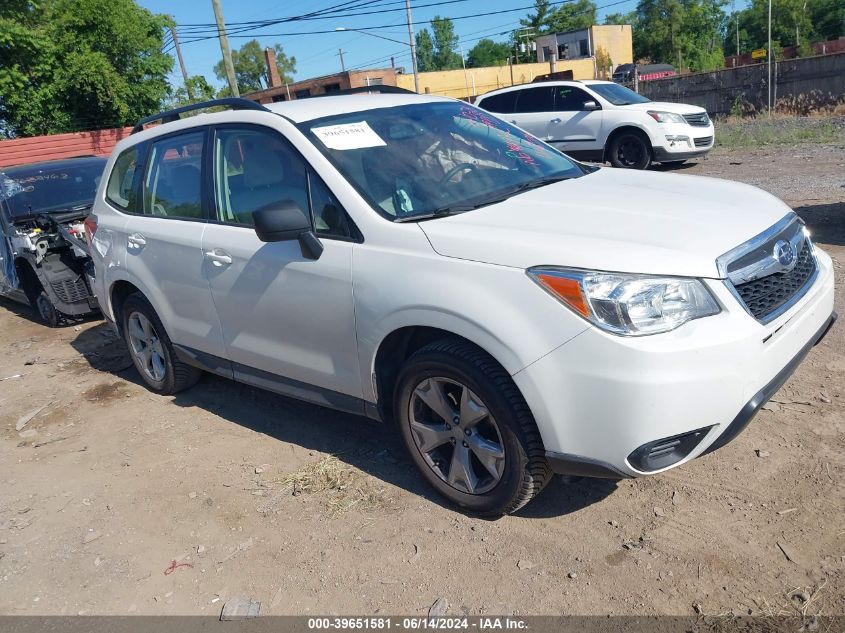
630, 150
469, 430
151, 351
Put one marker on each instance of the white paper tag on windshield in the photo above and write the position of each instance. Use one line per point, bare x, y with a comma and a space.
348, 136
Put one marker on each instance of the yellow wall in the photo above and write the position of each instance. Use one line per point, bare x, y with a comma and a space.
476, 81
616, 40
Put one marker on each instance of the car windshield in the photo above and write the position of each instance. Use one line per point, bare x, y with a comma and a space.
430, 159
45, 189
618, 95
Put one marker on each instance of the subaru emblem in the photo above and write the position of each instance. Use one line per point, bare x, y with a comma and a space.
784, 253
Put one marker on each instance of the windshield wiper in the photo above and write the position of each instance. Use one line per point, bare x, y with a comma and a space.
437, 213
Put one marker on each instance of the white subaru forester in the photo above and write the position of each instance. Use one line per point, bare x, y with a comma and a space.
416, 260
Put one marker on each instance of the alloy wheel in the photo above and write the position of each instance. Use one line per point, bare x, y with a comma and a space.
145, 346
630, 151
456, 435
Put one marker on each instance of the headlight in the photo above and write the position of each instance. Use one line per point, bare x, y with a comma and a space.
628, 305
666, 117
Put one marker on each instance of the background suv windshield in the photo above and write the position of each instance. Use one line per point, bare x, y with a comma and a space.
46, 190
618, 95
421, 159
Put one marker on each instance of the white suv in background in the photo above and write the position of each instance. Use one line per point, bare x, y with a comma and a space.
418, 261
603, 121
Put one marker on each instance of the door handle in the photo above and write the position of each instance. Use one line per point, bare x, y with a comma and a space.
218, 257
136, 240
555, 120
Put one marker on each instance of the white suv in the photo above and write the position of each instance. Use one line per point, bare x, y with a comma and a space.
416, 260
603, 121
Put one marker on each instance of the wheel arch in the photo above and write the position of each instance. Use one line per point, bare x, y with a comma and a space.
119, 291
629, 127
398, 345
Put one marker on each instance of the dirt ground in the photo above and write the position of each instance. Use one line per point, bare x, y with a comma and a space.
116, 501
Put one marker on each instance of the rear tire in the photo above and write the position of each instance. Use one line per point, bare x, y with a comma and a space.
151, 350
488, 457
630, 150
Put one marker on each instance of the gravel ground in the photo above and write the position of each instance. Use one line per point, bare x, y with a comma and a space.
114, 500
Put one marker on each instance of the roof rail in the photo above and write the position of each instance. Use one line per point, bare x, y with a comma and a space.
168, 116
364, 89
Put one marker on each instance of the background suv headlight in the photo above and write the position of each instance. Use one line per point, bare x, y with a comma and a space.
665, 117
628, 305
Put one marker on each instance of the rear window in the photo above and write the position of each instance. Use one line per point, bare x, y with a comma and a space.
51, 189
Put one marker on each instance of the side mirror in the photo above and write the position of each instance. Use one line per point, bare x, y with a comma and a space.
591, 105
285, 221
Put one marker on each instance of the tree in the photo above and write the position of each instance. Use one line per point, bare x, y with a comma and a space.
686, 33
621, 18
201, 89
604, 64
425, 51
251, 66
488, 53
436, 49
68, 65
446, 56
794, 23
580, 14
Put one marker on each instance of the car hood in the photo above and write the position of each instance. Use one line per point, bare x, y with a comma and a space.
614, 220
665, 106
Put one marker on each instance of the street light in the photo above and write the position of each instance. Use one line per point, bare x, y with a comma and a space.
389, 39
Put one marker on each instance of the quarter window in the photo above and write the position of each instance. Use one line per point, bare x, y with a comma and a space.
120, 191
173, 183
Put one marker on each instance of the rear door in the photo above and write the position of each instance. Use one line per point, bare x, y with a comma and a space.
533, 110
573, 127
164, 241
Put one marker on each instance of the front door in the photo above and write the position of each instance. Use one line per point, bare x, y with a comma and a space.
288, 321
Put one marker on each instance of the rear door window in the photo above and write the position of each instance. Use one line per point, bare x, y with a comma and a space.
535, 100
173, 180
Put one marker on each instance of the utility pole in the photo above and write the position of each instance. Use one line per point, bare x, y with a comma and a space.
413, 44
342, 65
224, 48
769, 58
181, 63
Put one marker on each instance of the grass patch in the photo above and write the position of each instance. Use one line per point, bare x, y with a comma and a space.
342, 488
736, 132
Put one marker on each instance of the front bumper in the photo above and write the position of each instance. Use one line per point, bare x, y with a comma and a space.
600, 398
681, 142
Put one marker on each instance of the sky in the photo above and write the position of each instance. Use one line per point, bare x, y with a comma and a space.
317, 54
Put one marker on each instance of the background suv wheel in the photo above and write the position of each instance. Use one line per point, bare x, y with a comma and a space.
151, 350
468, 429
630, 150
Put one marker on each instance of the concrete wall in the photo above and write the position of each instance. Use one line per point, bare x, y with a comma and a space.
476, 81
718, 91
21, 151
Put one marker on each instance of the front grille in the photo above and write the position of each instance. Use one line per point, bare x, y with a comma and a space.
764, 296
704, 141
71, 290
698, 120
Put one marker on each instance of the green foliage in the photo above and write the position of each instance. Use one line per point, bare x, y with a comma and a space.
794, 22
685, 33
201, 90
604, 64
425, 51
571, 16
68, 65
488, 53
251, 67
437, 49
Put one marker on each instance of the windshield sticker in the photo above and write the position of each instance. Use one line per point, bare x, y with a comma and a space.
348, 136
